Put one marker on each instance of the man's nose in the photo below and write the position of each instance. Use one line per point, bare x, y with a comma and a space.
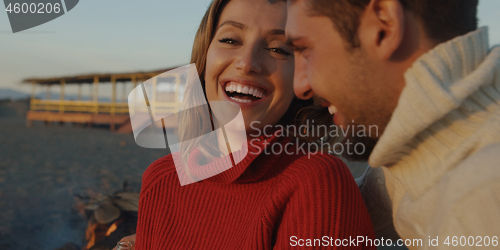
301, 85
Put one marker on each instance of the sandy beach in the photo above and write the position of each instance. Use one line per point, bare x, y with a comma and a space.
42, 167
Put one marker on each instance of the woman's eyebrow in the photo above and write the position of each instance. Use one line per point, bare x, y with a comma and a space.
233, 23
241, 26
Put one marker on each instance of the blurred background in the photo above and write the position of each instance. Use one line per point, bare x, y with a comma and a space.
66, 185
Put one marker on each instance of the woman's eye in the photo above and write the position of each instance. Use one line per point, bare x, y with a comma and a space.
227, 40
279, 51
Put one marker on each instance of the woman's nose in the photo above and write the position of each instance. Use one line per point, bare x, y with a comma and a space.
301, 85
249, 61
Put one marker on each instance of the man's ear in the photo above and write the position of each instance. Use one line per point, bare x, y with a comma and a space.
381, 27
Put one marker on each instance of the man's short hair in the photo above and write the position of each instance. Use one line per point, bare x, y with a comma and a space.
442, 19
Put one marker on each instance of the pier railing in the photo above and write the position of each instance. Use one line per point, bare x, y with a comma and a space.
92, 107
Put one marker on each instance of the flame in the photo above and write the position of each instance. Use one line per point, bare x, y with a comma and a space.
111, 229
90, 235
95, 232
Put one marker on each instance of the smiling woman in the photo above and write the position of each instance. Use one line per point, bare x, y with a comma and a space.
249, 53
265, 200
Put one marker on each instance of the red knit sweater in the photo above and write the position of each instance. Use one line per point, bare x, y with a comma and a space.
264, 202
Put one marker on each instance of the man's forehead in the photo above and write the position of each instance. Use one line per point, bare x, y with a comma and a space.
293, 22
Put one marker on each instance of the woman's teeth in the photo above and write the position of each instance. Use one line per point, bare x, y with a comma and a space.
243, 93
240, 100
332, 109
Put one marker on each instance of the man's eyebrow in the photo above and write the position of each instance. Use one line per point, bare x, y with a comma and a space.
233, 23
292, 39
274, 32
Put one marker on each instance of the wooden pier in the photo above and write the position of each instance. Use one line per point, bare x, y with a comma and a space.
92, 111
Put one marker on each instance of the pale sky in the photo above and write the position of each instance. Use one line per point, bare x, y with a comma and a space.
120, 36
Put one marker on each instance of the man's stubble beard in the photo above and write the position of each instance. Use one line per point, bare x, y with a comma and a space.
368, 112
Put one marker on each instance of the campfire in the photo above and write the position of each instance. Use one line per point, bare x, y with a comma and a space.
110, 217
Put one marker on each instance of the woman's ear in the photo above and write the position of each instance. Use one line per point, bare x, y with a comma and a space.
381, 27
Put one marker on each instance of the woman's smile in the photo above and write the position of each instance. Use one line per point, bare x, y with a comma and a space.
244, 92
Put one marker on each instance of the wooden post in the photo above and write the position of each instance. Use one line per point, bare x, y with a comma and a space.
152, 101
96, 99
177, 87
33, 90
33, 85
79, 92
124, 90
113, 102
134, 84
61, 96
47, 97
113, 94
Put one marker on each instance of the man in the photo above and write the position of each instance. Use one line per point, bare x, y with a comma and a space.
420, 87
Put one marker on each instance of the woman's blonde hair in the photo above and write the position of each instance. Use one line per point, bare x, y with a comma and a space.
298, 112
